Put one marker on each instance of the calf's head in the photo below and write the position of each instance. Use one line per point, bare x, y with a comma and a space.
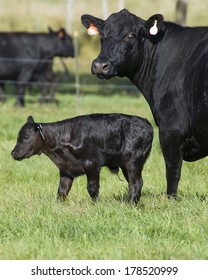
122, 38
29, 140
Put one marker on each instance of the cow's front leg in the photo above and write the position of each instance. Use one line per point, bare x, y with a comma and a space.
22, 81
172, 152
64, 186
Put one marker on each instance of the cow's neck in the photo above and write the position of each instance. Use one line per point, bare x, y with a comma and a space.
48, 46
143, 77
144, 82
158, 59
51, 144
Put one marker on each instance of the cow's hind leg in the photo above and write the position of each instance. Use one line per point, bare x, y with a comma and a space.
22, 81
2, 93
20, 88
64, 186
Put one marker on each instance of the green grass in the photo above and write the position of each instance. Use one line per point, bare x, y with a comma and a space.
34, 226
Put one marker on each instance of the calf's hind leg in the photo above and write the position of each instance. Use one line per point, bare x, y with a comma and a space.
135, 181
92, 171
64, 186
125, 173
93, 184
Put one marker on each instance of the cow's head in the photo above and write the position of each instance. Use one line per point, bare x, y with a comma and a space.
64, 47
29, 141
122, 38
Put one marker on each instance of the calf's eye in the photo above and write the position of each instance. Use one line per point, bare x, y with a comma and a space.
27, 137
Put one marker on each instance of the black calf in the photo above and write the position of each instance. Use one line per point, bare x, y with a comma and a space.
82, 145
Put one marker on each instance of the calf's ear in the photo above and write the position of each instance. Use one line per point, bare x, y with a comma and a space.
30, 119
154, 25
92, 24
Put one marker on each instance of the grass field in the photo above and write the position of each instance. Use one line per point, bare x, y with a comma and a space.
34, 226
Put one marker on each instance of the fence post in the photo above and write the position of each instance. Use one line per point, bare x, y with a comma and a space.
77, 81
69, 15
105, 8
121, 4
181, 11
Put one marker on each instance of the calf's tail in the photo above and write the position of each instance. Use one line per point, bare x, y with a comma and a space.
115, 170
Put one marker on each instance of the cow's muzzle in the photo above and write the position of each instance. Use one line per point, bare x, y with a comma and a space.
103, 69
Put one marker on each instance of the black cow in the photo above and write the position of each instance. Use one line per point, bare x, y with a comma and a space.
82, 145
169, 65
27, 57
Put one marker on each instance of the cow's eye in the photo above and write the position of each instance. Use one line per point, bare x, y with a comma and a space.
27, 137
131, 36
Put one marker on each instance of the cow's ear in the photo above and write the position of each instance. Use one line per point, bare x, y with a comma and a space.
154, 24
30, 119
61, 33
92, 24
50, 29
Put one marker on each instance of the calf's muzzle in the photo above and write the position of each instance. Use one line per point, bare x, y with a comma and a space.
16, 155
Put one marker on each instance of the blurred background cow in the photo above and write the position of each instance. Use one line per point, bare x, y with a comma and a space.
27, 57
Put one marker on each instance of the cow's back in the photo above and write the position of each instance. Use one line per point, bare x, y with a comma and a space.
18, 50
17, 44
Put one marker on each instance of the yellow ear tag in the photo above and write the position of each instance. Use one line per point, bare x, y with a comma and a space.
92, 30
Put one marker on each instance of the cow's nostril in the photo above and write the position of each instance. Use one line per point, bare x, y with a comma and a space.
13, 153
105, 66
94, 66
100, 67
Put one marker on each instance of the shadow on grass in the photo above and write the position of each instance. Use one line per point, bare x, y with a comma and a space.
123, 198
